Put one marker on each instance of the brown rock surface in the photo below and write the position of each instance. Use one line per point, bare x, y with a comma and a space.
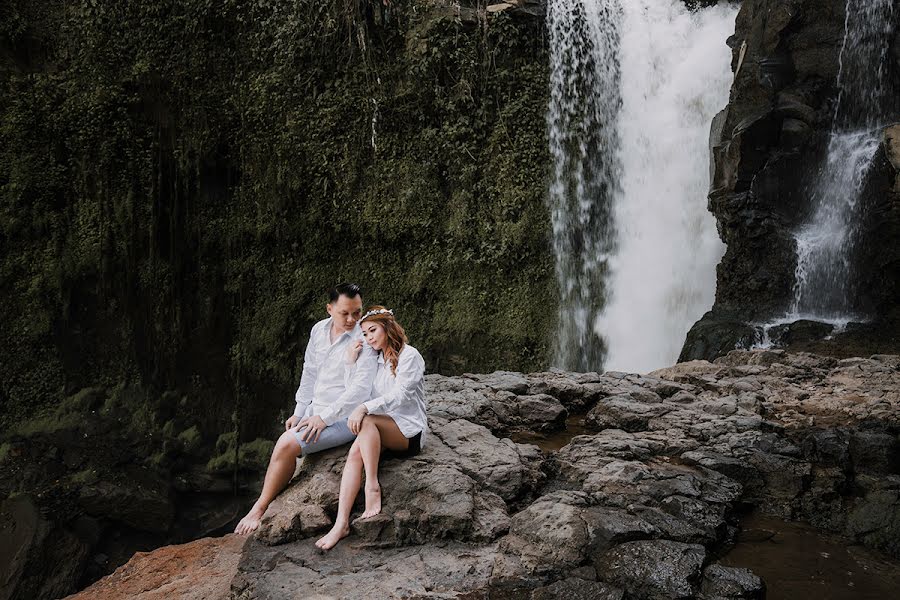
201, 569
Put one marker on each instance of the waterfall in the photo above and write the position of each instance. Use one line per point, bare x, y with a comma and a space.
824, 279
584, 103
634, 88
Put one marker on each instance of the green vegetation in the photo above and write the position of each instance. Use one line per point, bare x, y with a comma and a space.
181, 180
251, 455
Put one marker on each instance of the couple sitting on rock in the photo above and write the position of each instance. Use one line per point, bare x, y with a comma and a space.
373, 396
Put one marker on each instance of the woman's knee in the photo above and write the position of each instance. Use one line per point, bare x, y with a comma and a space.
355, 454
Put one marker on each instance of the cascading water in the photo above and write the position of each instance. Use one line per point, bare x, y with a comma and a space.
634, 87
584, 102
826, 243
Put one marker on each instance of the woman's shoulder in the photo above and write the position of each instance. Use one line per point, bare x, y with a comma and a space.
410, 354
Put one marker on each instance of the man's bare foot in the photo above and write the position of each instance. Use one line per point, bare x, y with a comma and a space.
373, 501
250, 523
337, 533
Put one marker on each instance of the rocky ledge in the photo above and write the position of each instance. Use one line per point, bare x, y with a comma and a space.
638, 508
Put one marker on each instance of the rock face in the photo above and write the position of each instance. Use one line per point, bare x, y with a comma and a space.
623, 512
211, 564
767, 148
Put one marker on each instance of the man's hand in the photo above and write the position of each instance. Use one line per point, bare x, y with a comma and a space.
353, 352
314, 426
354, 421
291, 422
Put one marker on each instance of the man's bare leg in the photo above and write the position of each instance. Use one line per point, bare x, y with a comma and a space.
281, 469
350, 482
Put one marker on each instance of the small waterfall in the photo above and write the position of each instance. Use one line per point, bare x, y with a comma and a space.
584, 102
634, 88
824, 279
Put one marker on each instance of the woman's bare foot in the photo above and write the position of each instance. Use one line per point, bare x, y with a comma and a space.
337, 533
250, 523
373, 501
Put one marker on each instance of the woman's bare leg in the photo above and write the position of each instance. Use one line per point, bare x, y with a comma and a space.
350, 482
377, 431
281, 469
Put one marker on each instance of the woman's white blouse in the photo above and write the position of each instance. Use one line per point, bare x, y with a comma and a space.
401, 396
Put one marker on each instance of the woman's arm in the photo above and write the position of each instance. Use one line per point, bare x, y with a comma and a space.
410, 373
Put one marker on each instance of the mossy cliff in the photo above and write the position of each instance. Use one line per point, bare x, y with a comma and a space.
181, 180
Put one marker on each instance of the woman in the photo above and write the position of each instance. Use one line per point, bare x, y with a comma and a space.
394, 418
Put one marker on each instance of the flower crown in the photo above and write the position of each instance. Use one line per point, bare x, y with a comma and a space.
380, 311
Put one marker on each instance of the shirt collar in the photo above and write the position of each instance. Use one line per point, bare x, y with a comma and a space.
330, 321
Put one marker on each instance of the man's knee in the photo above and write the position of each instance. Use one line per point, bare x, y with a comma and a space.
287, 445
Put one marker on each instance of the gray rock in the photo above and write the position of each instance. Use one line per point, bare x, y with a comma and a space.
577, 589
143, 502
623, 412
720, 582
653, 569
874, 452
30, 543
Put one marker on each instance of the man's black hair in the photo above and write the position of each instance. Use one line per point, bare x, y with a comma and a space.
351, 290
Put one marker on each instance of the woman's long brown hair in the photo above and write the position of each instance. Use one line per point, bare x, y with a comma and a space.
396, 337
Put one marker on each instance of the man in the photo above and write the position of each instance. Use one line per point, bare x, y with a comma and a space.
324, 400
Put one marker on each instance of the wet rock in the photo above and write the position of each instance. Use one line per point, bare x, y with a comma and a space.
720, 582
577, 589
875, 518
874, 452
143, 502
657, 569
30, 544
537, 412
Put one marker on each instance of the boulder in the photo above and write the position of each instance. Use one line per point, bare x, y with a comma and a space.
199, 570
653, 569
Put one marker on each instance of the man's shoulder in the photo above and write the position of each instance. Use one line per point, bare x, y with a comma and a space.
318, 327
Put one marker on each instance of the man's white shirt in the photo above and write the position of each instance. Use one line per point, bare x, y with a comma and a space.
323, 390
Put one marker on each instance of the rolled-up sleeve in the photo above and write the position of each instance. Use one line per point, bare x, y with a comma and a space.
304, 395
410, 372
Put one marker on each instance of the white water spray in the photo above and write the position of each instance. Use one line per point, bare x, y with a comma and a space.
584, 102
824, 280
676, 74
634, 88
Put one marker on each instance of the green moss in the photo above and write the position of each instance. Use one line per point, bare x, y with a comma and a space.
180, 182
251, 455
46, 425
168, 429
157, 460
4, 451
85, 477
190, 439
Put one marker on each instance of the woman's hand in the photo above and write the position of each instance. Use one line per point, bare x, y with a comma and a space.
354, 421
353, 351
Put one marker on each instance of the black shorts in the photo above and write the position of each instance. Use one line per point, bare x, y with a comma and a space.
415, 446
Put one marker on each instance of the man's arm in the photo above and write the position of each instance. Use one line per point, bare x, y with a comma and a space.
358, 389
304, 395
